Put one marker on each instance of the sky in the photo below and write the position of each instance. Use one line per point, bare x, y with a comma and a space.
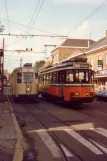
61, 17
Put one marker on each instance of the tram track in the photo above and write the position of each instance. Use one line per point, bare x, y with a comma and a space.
58, 141
90, 139
93, 113
62, 147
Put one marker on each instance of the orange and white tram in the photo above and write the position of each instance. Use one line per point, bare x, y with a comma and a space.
70, 81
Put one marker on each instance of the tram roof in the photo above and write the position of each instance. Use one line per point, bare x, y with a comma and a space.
21, 69
58, 66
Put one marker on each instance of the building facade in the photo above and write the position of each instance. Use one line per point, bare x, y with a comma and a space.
97, 57
69, 47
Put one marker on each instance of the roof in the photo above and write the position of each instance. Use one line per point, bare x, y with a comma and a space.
78, 43
97, 45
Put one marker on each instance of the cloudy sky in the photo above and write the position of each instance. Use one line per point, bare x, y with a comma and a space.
62, 17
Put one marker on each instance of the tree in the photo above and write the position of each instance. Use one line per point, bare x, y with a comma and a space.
39, 64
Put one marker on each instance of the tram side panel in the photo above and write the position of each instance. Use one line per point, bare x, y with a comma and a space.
52, 90
68, 93
80, 94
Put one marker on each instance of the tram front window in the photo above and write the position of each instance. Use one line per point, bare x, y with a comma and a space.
19, 77
27, 77
82, 76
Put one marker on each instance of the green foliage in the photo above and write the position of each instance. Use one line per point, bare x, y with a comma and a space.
39, 64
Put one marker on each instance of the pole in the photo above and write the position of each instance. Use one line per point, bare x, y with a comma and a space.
21, 62
3, 69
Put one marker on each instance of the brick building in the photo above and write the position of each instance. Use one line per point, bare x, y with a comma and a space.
97, 57
69, 47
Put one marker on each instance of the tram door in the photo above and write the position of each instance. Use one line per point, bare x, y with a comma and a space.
62, 82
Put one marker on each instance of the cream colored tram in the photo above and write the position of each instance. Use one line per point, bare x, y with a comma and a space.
24, 82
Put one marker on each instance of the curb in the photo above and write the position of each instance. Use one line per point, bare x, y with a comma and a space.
18, 156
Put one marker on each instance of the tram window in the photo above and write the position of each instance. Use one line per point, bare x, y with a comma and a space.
69, 76
54, 77
36, 75
19, 78
47, 78
42, 79
57, 77
28, 77
51, 78
81, 76
62, 77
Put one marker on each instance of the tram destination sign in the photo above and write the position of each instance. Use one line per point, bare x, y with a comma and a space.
84, 66
81, 65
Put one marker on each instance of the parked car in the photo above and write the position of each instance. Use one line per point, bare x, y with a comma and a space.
101, 95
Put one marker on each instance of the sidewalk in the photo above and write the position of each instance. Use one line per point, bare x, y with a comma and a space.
7, 131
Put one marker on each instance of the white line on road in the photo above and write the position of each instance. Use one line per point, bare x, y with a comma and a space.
49, 143
100, 131
84, 141
67, 153
100, 146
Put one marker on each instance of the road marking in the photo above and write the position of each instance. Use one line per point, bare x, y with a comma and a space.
100, 146
67, 153
100, 131
46, 138
83, 141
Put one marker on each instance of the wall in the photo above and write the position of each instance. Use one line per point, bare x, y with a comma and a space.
63, 53
102, 54
55, 56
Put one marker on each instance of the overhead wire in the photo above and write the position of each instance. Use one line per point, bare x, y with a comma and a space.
13, 26
37, 15
92, 13
7, 15
32, 16
27, 26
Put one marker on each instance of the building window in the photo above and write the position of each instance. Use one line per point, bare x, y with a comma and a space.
106, 57
56, 59
92, 62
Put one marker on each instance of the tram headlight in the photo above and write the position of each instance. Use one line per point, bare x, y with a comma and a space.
28, 89
87, 93
77, 93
